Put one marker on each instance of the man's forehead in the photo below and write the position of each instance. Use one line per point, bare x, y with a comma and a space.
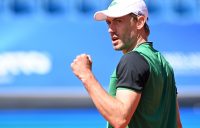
113, 18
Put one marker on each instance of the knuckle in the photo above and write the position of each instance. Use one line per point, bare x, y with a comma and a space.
83, 55
72, 65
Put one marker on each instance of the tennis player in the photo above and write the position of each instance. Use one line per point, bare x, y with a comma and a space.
142, 91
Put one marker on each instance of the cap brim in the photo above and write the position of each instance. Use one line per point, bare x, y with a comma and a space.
102, 15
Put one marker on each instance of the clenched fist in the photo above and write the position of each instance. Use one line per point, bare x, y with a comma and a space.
82, 66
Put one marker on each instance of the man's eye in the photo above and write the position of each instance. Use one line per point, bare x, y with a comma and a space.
108, 23
118, 21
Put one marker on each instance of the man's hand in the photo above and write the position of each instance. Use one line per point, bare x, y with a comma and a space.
82, 66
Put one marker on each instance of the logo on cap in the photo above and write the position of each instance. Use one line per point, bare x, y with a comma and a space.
113, 3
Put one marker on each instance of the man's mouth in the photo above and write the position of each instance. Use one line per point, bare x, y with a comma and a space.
114, 38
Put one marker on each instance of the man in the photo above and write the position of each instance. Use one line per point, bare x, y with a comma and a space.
142, 88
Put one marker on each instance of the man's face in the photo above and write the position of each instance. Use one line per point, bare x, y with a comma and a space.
123, 32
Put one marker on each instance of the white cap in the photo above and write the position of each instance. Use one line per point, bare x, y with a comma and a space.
119, 8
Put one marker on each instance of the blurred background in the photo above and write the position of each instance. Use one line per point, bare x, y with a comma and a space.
40, 38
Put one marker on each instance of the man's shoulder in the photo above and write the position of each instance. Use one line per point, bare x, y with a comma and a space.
132, 57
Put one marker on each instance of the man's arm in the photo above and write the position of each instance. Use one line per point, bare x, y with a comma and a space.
117, 110
178, 115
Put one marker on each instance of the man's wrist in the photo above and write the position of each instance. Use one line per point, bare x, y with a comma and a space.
88, 78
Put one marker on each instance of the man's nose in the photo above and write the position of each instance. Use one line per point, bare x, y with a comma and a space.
111, 28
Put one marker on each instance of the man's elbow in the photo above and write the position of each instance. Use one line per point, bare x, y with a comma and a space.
121, 123
179, 124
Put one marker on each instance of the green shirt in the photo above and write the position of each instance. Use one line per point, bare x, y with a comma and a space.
157, 106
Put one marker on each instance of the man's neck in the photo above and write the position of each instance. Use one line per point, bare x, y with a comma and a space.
134, 46
140, 42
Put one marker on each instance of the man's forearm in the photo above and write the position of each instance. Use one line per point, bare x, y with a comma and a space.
111, 108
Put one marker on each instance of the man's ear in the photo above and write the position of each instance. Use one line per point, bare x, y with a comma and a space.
140, 22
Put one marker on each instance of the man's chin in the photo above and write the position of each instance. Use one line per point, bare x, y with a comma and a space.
116, 49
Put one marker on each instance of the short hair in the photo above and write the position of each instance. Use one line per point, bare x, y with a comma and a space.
146, 26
